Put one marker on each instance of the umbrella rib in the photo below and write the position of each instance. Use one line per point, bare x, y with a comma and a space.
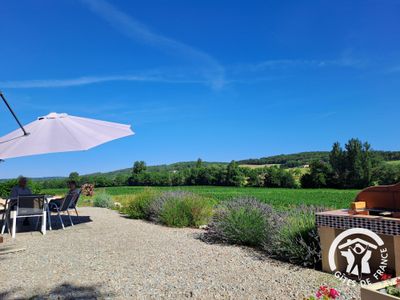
69, 132
11, 139
9, 145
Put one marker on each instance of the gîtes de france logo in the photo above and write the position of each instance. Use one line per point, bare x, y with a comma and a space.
357, 253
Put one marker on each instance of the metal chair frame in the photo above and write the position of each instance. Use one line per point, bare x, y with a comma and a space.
74, 203
64, 207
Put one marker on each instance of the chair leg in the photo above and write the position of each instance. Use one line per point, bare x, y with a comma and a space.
70, 219
62, 223
49, 217
5, 222
37, 223
3, 215
44, 222
6, 219
76, 211
14, 226
8, 223
3, 228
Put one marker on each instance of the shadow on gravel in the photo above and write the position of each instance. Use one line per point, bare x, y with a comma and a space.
152, 222
5, 295
65, 291
55, 223
212, 240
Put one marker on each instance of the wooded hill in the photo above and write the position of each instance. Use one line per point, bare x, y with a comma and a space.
285, 160
306, 158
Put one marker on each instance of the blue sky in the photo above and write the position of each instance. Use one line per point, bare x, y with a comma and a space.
219, 80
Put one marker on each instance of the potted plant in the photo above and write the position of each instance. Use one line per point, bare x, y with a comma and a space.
388, 289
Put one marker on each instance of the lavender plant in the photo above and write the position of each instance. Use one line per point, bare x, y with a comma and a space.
181, 209
138, 206
296, 239
103, 200
244, 221
156, 207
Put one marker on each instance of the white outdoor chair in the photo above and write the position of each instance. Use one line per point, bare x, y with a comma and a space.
33, 206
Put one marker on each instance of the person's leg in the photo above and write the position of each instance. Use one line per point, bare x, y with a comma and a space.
57, 202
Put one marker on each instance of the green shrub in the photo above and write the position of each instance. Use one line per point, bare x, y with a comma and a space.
200, 210
181, 209
296, 238
6, 187
103, 200
244, 221
156, 207
175, 213
137, 207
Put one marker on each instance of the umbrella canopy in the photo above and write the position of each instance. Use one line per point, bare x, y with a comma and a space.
60, 133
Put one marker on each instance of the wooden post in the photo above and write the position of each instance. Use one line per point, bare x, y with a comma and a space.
396, 245
326, 235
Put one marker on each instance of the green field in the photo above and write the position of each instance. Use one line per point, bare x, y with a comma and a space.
278, 197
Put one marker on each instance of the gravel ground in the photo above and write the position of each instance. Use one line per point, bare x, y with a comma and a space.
109, 256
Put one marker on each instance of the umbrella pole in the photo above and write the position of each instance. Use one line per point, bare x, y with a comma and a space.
13, 113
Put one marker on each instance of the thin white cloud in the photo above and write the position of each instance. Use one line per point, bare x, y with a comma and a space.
58, 83
239, 73
283, 64
207, 65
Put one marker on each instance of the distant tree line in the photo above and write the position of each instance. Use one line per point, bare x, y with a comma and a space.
98, 180
199, 173
7, 185
289, 160
354, 166
221, 175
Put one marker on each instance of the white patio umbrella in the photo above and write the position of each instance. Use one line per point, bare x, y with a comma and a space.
60, 133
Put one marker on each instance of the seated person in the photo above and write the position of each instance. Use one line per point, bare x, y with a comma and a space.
20, 190
73, 191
